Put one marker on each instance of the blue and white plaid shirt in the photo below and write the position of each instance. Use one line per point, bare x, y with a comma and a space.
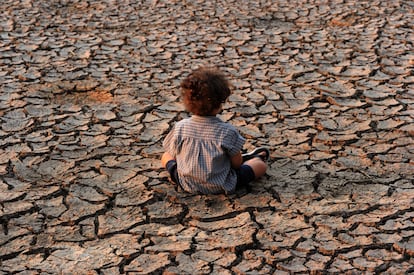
203, 147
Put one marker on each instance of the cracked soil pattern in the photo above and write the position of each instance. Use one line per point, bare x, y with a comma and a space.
89, 89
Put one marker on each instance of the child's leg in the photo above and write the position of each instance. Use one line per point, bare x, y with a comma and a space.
250, 170
258, 166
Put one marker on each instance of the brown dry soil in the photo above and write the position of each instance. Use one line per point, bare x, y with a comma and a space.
89, 90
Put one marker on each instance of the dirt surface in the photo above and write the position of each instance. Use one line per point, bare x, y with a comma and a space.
89, 89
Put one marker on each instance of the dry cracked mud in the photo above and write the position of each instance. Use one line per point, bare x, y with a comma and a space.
89, 89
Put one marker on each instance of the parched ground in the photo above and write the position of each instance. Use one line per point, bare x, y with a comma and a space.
89, 89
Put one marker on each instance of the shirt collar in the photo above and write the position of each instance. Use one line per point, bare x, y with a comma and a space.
205, 118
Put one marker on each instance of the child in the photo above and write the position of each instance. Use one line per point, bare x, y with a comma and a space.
203, 153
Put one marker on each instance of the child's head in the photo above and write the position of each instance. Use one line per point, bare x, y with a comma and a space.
204, 90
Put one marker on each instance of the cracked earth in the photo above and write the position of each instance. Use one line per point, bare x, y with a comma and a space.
89, 90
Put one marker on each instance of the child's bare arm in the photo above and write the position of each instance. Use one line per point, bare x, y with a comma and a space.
166, 157
236, 161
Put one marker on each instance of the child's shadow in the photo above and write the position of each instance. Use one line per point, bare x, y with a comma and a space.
286, 181
286, 178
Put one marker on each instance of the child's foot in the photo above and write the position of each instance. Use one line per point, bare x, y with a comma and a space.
260, 152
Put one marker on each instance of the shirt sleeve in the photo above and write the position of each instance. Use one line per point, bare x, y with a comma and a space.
233, 143
170, 143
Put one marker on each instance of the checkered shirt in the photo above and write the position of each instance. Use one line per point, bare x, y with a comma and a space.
203, 147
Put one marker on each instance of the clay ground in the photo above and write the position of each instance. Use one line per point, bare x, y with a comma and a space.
89, 89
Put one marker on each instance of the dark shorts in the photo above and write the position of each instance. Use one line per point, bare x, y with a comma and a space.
245, 174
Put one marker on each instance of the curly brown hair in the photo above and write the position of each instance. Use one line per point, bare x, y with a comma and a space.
204, 90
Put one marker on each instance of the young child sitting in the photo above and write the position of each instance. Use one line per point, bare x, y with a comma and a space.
203, 154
